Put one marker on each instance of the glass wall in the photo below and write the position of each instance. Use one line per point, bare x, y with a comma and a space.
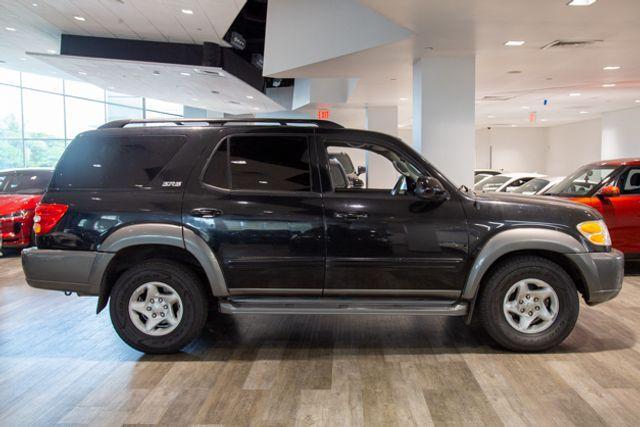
40, 115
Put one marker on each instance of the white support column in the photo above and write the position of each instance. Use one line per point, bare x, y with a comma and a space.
444, 115
379, 170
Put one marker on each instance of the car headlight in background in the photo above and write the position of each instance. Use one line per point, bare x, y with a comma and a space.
15, 215
596, 232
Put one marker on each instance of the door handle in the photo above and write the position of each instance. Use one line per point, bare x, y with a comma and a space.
350, 216
206, 212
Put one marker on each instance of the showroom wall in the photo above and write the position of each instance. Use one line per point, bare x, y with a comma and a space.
512, 149
573, 145
621, 134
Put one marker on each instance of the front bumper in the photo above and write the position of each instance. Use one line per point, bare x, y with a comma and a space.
603, 273
69, 271
15, 233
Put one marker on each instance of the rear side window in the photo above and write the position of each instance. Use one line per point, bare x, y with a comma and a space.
115, 162
269, 163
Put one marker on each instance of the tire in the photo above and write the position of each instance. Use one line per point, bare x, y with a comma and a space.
523, 273
170, 279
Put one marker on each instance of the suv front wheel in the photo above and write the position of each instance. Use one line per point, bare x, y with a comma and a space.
159, 306
529, 303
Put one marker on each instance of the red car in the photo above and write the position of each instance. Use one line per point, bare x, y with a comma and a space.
20, 192
613, 188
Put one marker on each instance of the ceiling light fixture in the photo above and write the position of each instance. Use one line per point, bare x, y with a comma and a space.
249, 97
544, 120
584, 112
82, 73
23, 59
525, 107
404, 99
9, 28
187, 11
513, 43
611, 67
491, 117
637, 101
609, 85
185, 74
581, 2
256, 108
34, 4
79, 18
575, 94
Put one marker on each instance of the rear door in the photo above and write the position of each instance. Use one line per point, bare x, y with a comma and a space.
257, 203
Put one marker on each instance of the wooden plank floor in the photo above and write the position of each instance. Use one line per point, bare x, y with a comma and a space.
62, 364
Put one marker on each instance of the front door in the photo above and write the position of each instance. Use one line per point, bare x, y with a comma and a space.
381, 239
258, 206
622, 213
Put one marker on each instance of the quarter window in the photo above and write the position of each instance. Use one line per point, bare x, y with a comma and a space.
630, 182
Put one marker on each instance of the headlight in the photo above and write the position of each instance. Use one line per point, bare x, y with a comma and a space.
15, 215
596, 232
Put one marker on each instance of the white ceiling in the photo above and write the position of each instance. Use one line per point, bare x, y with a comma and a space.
480, 28
38, 25
210, 88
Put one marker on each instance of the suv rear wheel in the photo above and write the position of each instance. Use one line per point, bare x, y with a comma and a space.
529, 304
159, 306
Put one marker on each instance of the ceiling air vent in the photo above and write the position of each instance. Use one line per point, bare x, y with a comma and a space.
496, 98
569, 44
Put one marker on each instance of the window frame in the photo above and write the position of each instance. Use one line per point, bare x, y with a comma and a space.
313, 167
324, 141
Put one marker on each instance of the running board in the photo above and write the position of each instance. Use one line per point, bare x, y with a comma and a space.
327, 305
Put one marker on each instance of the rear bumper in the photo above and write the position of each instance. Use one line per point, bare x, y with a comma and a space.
70, 271
603, 273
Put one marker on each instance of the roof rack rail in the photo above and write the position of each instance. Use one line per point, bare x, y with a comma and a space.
222, 122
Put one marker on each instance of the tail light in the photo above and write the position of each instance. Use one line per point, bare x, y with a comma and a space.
47, 216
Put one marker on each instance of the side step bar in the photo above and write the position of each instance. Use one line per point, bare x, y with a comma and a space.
342, 305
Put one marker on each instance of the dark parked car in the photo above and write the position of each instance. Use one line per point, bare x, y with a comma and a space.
166, 223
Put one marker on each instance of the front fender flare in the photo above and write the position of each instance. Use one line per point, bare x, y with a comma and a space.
514, 240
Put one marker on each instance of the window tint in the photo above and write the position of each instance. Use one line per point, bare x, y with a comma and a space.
25, 182
630, 182
115, 162
217, 173
278, 163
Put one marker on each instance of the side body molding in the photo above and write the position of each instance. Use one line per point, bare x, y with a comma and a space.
517, 240
169, 235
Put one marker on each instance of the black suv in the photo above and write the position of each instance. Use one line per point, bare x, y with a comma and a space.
172, 221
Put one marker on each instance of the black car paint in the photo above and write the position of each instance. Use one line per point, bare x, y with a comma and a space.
294, 243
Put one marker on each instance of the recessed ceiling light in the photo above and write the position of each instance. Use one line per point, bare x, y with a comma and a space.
249, 97
9, 28
609, 85
82, 73
575, 94
512, 43
611, 67
194, 99
491, 117
514, 72
187, 11
52, 51
185, 74
404, 99
23, 59
525, 107
584, 112
581, 2
79, 18
34, 4
256, 108
637, 101
514, 126
544, 120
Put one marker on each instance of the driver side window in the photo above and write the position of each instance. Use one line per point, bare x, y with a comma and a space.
364, 167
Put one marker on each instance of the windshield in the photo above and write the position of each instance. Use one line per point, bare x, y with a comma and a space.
480, 177
25, 182
532, 187
492, 184
582, 182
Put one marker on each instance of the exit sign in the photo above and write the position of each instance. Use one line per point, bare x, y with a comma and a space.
323, 114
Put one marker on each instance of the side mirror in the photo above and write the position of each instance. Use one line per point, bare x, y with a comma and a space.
609, 191
430, 189
361, 170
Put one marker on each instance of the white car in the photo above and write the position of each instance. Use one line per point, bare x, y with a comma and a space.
506, 182
538, 185
482, 174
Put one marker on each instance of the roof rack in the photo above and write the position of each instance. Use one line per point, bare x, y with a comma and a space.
222, 122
